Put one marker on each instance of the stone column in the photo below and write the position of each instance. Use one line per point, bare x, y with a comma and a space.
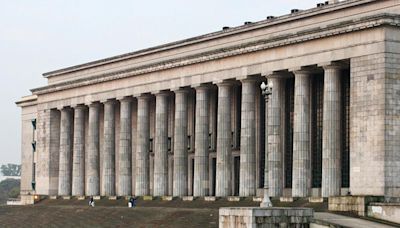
78, 161
274, 131
224, 141
142, 147
331, 144
180, 181
64, 173
247, 185
301, 183
92, 162
125, 148
201, 187
108, 170
161, 146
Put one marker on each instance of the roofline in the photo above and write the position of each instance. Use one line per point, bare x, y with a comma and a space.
26, 100
214, 35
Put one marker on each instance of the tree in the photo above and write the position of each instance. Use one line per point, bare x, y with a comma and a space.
11, 170
9, 188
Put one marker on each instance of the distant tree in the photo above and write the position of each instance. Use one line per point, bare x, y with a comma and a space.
11, 170
14, 192
9, 188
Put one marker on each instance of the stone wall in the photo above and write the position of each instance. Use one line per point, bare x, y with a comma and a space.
355, 204
385, 211
27, 155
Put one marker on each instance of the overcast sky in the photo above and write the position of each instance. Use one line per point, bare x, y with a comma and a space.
38, 36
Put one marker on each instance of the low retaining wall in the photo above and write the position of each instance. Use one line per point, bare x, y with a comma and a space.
385, 211
354, 204
253, 217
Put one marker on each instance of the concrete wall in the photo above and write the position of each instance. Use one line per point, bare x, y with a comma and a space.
385, 211
28, 135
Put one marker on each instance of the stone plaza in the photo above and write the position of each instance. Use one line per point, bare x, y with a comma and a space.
188, 118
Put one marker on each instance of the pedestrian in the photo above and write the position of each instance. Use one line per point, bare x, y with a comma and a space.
133, 201
91, 201
130, 204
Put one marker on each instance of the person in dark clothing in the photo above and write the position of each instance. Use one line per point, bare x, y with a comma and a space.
132, 201
91, 201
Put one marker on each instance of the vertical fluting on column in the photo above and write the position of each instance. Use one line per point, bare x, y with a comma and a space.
161, 146
301, 135
78, 160
142, 147
125, 148
92, 162
224, 141
64, 173
331, 144
274, 131
247, 186
201, 183
180, 180
108, 170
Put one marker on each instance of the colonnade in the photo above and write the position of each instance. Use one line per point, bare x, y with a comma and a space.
79, 163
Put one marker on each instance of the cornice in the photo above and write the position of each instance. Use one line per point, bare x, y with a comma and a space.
259, 45
215, 35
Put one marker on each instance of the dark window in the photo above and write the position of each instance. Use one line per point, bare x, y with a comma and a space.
289, 115
209, 141
345, 129
262, 142
317, 129
189, 144
34, 124
151, 145
236, 164
169, 144
214, 176
34, 146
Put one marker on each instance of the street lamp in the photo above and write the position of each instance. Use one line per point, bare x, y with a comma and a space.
266, 90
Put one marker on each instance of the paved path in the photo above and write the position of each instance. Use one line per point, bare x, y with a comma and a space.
348, 221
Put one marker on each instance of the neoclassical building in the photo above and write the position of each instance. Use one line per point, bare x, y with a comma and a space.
188, 118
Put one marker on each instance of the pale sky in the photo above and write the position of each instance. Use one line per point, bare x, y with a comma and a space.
38, 36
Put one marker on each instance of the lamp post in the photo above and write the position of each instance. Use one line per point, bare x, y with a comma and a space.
266, 90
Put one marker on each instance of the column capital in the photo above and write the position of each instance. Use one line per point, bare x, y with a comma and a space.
161, 93
333, 65
64, 108
279, 75
202, 86
180, 90
143, 96
226, 83
251, 79
78, 106
109, 101
92, 103
124, 99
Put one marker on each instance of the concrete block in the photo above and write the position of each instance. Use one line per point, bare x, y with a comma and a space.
53, 197
234, 198
66, 197
286, 199
209, 198
316, 199
81, 197
148, 198
97, 197
257, 199
167, 198
112, 198
187, 198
